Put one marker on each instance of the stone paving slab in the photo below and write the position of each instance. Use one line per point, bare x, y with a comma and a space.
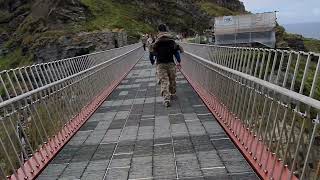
133, 136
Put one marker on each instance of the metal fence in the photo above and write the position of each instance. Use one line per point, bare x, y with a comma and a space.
18, 81
268, 99
38, 102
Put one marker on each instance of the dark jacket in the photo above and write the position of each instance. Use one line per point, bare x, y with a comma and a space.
164, 49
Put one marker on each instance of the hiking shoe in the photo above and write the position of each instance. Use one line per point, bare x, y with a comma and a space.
166, 103
173, 96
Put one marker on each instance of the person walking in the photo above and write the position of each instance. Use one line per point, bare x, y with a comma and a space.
164, 49
144, 41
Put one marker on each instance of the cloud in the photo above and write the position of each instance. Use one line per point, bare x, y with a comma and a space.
290, 11
316, 11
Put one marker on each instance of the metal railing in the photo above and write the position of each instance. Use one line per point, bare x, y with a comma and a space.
267, 100
18, 81
38, 101
297, 71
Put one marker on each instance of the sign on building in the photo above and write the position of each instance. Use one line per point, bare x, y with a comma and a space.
246, 29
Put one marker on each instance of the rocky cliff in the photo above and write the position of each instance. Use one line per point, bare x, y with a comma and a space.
43, 30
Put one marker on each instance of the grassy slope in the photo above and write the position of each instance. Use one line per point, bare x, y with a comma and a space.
112, 15
214, 10
14, 59
312, 45
106, 15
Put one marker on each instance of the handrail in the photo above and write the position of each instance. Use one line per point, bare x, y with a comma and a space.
46, 104
266, 100
291, 94
14, 82
252, 48
30, 93
295, 71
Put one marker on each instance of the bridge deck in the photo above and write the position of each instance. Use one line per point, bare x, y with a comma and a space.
133, 136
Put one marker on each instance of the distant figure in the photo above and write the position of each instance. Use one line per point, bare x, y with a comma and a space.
116, 44
144, 41
164, 49
150, 42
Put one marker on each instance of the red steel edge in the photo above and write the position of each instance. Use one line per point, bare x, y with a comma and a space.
42, 157
223, 115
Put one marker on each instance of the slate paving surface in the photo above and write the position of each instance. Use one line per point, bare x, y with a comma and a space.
133, 136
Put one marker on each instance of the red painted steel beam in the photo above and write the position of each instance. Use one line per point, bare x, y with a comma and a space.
223, 115
42, 158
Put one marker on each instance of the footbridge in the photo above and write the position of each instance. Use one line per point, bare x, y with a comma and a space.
240, 113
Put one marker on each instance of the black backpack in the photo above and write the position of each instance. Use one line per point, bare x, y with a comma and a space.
164, 50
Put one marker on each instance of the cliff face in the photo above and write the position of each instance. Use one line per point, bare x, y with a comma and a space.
43, 30
183, 15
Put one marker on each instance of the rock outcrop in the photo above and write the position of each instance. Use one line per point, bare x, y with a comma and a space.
180, 15
231, 4
39, 28
47, 30
79, 44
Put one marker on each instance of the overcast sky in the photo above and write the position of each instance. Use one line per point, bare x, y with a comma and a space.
290, 11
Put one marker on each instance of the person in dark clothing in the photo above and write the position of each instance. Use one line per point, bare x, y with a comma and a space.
116, 44
144, 41
164, 49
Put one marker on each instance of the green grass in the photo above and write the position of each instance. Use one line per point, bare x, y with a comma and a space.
2, 30
215, 10
4, 16
111, 15
14, 59
312, 45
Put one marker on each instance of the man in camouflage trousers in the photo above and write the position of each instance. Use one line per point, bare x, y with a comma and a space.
164, 49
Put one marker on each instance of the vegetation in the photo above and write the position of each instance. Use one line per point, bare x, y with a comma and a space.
38, 126
111, 15
14, 59
214, 10
312, 45
4, 16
